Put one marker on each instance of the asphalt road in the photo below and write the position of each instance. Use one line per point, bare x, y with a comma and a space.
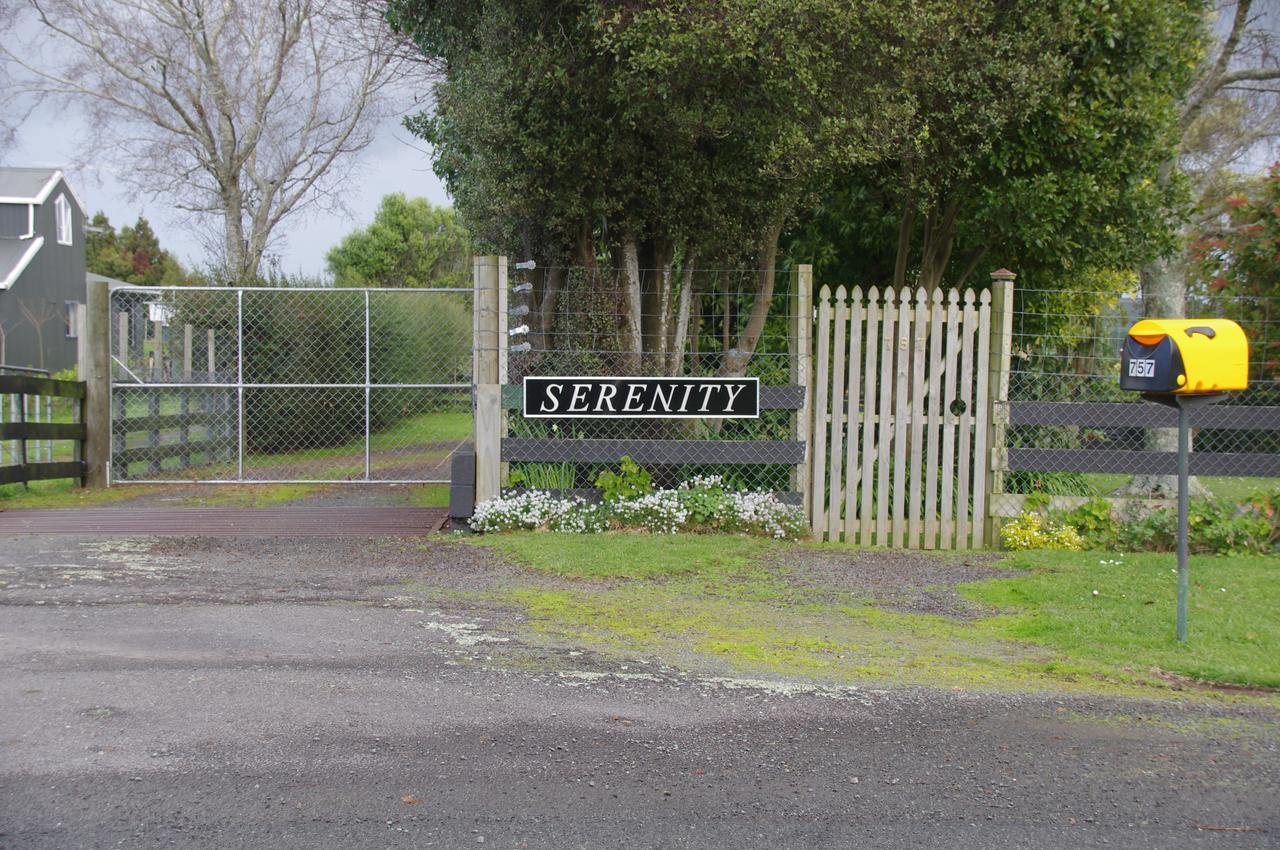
356, 714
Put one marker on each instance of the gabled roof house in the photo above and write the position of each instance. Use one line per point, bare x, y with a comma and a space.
42, 268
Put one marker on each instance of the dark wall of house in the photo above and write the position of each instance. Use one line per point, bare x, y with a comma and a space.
54, 277
13, 220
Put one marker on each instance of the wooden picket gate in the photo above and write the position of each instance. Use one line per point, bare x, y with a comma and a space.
907, 402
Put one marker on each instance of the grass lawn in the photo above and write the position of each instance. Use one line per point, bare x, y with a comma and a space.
62, 493
737, 602
1233, 620
1224, 487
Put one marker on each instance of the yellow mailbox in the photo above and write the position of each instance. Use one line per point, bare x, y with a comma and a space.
1185, 357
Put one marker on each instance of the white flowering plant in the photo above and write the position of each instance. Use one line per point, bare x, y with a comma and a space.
702, 504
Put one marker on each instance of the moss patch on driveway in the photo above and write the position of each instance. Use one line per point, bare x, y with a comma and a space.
838, 614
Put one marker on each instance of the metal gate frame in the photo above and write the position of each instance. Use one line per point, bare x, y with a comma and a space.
239, 385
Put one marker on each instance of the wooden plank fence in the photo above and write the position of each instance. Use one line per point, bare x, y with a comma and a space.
24, 390
905, 415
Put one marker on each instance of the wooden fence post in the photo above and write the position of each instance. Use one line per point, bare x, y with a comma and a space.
801, 307
122, 336
998, 421
82, 339
487, 378
504, 355
96, 373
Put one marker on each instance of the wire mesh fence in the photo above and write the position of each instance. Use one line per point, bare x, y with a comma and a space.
576, 322
1074, 432
255, 384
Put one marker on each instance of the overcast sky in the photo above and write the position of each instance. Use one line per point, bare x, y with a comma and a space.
395, 162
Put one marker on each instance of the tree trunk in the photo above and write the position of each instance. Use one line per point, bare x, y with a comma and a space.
695, 341
632, 306
675, 357
905, 225
552, 288
735, 361
234, 242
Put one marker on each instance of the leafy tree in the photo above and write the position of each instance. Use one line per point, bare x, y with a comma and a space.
1232, 107
1061, 182
133, 255
1242, 259
648, 139
410, 243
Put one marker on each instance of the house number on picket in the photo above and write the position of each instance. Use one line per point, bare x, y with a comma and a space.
641, 398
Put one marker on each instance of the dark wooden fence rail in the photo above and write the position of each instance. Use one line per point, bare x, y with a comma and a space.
657, 451
169, 434
24, 472
1142, 415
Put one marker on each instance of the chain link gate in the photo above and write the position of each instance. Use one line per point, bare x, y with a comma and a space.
288, 385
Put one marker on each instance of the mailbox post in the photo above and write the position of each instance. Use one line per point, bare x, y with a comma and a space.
1184, 363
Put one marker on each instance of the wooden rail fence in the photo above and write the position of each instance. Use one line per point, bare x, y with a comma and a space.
20, 432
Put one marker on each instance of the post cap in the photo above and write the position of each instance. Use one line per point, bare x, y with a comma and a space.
1003, 274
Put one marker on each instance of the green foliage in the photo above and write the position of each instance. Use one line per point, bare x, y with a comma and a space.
1094, 521
1147, 530
542, 476
1045, 483
1032, 531
1214, 526
133, 255
705, 502
1267, 505
1046, 162
1224, 528
628, 482
558, 127
1241, 260
409, 244
1036, 502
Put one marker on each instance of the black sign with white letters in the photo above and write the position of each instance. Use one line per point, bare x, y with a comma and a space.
641, 398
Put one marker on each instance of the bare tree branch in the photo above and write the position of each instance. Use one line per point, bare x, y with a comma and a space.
240, 112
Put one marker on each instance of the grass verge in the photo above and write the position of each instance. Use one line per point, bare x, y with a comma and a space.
1234, 633
738, 602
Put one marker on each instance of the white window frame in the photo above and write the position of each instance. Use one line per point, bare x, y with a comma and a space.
72, 325
62, 217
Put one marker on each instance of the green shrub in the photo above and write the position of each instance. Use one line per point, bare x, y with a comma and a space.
1219, 527
629, 482
1214, 526
1095, 522
1267, 506
1147, 529
1032, 531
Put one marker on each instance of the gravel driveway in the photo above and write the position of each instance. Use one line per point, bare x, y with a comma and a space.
245, 692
